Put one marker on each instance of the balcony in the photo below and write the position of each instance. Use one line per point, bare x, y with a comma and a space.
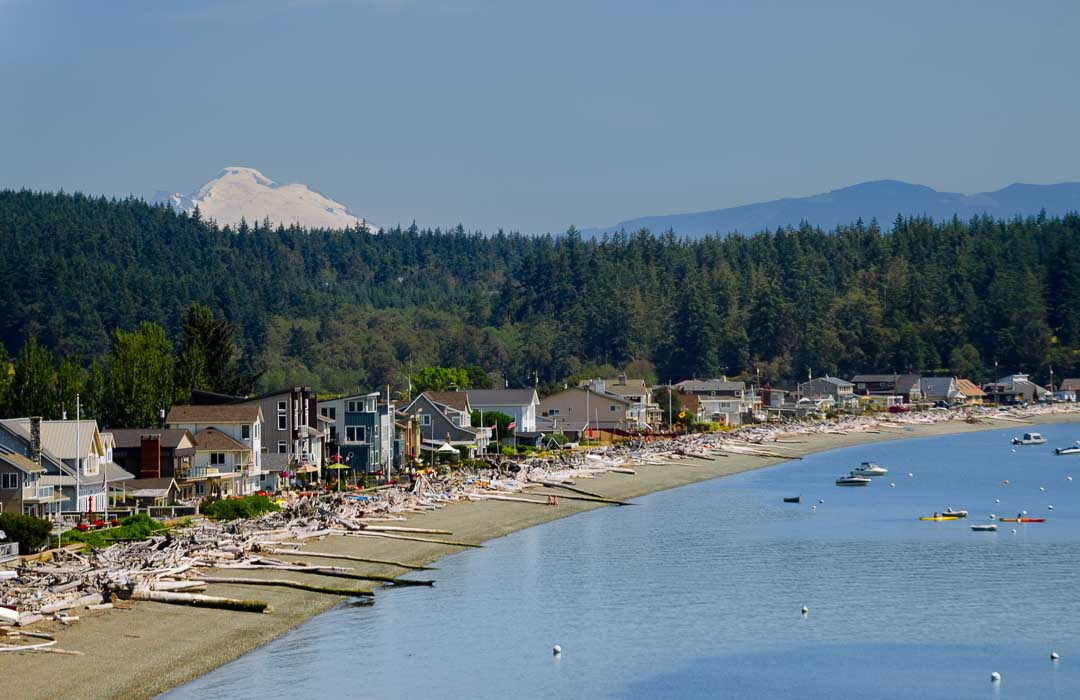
38, 492
210, 472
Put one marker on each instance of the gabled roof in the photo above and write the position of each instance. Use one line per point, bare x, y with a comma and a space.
151, 488
501, 397
937, 386
224, 413
836, 381
968, 388
21, 463
598, 395
129, 438
875, 378
457, 400
906, 382
64, 439
1070, 385
114, 472
697, 386
213, 440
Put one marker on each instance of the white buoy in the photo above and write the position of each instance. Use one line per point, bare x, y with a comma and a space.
1042, 488
995, 677
909, 475
1054, 656
1068, 478
993, 516
997, 500
813, 508
556, 650
1023, 512
1014, 530
821, 500
1050, 507
1014, 449
892, 484
805, 610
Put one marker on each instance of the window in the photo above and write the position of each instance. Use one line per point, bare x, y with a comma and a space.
455, 419
613, 408
553, 412
355, 433
282, 422
425, 419
370, 406
353, 406
257, 430
217, 458
11, 481
281, 407
330, 413
245, 432
281, 447
200, 488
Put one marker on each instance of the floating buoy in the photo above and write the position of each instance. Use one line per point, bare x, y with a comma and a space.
1014, 449
892, 484
805, 610
1023, 512
1014, 530
1068, 478
995, 677
909, 475
1006, 482
1054, 656
822, 500
1042, 488
1050, 507
993, 516
556, 650
813, 508
997, 500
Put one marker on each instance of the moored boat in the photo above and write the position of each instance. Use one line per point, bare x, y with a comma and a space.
853, 480
1070, 450
984, 527
956, 513
792, 499
1030, 439
1022, 520
869, 469
939, 518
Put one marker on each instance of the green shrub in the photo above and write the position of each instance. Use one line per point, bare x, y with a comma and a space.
508, 451
134, 527
31, 533
233, 508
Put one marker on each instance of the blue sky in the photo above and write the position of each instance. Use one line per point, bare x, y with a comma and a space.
534, 116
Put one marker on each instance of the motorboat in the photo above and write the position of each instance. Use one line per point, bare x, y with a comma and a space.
869, 469
792, 499
1070, 450
955, 513
984, 527
853, 480
1030, 439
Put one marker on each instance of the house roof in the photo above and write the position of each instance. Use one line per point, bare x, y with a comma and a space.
906, 382
213, 440
935, 386
151, 488
114, 472
500, 397
1070, 385
874, 378
602, 397
837, 381
458, 400
65, 439
224, 413
968, 388
129, 438
698, 386
21, 463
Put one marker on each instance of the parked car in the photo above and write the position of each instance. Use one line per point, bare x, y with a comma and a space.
898, 408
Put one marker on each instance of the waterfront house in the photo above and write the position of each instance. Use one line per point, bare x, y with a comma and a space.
236, 460
712, 387
292, 437
1015, 389
73, 454
21, 490
153, 492
643, 414
1069, 390
157, 453
362, 434
441, 423
906, 386
940, 389
842, 392
406, 439
580, 409
970, 394
519, 404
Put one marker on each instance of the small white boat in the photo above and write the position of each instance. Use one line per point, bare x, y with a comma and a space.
985, 527
1071, 450
955, 513
1030, 439
869, 469
853, 480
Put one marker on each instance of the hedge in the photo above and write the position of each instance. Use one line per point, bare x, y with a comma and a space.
31, 533
233, 508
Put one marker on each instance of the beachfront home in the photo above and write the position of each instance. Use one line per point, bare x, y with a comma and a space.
21, 490
643, 413
940, 389
1069, 390
156, 453
840, 391
519, 404
1015, 389
905, 386
713, 387
970, 394
293, 437
406, 439
580, 409
441, 423
228, 446
362, 434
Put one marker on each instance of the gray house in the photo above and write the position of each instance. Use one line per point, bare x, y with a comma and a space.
519, 404
362, 432
441, 424
840, 390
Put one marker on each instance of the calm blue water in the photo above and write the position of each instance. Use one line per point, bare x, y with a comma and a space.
697, 592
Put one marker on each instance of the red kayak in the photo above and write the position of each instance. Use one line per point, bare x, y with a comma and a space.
1022, 520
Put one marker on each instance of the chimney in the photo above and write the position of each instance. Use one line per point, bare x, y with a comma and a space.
35, 440
150, 456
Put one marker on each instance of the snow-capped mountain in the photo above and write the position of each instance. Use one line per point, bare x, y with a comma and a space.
245, 193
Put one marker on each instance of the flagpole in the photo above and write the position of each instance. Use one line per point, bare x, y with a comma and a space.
78, 460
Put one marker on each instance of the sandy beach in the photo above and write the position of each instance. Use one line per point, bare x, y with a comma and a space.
150, 648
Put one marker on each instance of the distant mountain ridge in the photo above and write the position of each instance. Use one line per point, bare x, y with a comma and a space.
245, 193
881, 199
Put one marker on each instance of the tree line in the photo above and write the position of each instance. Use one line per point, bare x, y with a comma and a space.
350, 310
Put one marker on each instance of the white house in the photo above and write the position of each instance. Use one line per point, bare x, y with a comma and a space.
239, 456
519, 404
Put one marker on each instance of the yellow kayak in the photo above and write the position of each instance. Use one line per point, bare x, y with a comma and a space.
940, 517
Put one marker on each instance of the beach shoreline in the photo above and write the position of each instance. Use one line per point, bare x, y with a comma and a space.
152, 648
